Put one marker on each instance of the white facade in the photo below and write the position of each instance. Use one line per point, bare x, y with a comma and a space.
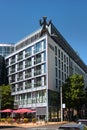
36, 70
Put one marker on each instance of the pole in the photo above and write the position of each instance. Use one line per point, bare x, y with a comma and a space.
0, 100
61, 103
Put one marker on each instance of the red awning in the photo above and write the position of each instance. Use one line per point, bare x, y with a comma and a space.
6, 110
22, 110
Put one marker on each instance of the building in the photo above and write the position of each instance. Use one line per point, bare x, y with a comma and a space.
38, 67
6, 49
3, 72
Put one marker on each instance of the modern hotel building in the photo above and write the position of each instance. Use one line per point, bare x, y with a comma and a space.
38, 67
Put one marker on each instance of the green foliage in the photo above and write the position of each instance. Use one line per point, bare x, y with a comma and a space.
6, 98
73, 91
9, 120
33, 120
25, 120
3, 119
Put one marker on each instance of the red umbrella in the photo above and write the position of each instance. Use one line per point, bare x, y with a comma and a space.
23, 110
7, 110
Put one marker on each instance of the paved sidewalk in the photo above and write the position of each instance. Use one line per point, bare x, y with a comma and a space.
26, 125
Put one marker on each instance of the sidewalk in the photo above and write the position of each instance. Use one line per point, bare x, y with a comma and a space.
26, 125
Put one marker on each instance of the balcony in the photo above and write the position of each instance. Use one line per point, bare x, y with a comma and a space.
27, 86
19, 68
39, 83
12, 61
28, 64
20, 57
37, 72
27, 75
38, 60
12, 71
20, 78
27, 54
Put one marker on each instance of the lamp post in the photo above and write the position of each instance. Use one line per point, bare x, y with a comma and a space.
61, 103
0, 100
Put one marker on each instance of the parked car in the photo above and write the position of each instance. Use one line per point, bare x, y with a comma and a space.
72, 126
83, 121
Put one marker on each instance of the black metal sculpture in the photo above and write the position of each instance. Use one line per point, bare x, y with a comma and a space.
44, 24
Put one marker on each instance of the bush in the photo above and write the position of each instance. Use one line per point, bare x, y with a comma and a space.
33, 120
18, 120
3, 119
9, 120
25, 120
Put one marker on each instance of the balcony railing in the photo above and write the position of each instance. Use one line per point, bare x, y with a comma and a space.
27, 54
19, 68
37, 72
27, 86
12, 71
12, 61
20, 57
27, 75
28, 64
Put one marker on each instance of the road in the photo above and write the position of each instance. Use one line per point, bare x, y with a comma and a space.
45, 127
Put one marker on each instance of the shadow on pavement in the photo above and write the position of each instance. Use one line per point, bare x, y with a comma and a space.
3, 127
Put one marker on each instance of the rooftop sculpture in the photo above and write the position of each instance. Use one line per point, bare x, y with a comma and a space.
44, 25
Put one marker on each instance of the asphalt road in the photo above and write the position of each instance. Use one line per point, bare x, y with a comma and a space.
45, 127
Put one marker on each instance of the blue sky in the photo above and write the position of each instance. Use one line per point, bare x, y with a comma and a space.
19, 18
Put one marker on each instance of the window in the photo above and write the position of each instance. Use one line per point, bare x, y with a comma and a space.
12, 69
20, 86
20, 76
37, 47
44, 68
28, 62
56, 83
64, 59
56, 72
44, 56
37, 59
44, 44
20, 56
20, 66
59, 64
28, 84
62, 65
12, 59
13, 88
28, 51
28, 73
59, 53
55, 61
13, 78
37, 70
55, 50
45, 80
59, 74
37, 82
62, 76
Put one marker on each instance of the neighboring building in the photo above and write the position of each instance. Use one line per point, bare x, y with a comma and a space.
3, 73
38, 67
6, 49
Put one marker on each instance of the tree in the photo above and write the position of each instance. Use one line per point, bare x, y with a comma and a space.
6, 97
73, 92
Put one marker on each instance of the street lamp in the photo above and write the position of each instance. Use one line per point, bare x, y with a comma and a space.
0, 100
61, 103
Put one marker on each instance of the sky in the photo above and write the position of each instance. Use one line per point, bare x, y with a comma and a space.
19, 18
